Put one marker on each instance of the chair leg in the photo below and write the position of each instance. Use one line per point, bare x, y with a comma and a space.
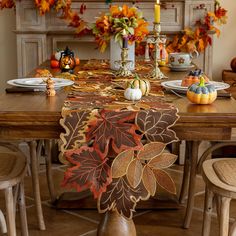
22, 207
233, 230
3, 224
10, 212
224, 216
207, 213
35, 183
49, 170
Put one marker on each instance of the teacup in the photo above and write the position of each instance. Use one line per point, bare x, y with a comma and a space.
182, 59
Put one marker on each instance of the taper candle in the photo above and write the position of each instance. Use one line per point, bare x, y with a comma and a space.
125, 41
157, 12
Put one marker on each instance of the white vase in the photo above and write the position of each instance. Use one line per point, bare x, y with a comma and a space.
115, 54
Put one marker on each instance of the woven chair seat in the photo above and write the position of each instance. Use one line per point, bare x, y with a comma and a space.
226, 171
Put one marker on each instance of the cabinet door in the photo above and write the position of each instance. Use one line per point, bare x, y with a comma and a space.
31, 51
196, 10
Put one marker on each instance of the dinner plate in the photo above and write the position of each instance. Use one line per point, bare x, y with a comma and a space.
39, 82
176, 85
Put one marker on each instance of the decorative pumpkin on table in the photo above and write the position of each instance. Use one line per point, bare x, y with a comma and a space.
201, 93
133, 94
142, 84
193, 77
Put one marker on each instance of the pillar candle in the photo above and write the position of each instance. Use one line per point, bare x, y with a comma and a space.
157, 13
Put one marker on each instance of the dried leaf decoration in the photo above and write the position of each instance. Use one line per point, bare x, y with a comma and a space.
74, 124
90, 171
121, 196
134, 173
149, 180
151, 172
164, 180
120, 163
115, 127
155, 124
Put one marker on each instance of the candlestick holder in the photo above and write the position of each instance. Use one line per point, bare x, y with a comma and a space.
156, 39
124, 64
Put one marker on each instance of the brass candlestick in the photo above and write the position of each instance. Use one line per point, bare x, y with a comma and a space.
156, 39
124, 64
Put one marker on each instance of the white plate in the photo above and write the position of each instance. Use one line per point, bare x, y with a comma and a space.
181, 68
176, 85
39, 82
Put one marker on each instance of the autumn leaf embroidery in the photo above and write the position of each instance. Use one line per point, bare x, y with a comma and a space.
90, 170
121, 196
114, 128
146, 168
155, 124
74, 124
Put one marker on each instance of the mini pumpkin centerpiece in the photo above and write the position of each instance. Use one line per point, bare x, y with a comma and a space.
133, 94
193, 77
201, 93
142, 84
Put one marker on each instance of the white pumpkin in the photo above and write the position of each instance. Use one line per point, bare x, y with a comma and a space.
133, 94
58, 55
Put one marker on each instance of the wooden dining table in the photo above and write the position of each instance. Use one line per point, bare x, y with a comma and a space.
34, 116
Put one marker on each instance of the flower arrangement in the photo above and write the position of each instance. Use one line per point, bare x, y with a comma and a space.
120, 22
199, 37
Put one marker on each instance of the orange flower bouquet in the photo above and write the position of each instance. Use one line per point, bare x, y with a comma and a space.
120, 22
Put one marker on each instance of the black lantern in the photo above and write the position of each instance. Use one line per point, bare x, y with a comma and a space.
67, 61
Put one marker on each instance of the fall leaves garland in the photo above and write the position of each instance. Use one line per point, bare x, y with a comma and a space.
200, 37
197, 38
63, 9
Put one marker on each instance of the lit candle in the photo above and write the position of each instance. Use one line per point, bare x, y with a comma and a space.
157, 13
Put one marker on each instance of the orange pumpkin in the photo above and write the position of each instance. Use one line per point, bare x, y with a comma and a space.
77, 61
54, 64
189, 80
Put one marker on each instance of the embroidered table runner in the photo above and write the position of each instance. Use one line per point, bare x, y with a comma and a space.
116, 147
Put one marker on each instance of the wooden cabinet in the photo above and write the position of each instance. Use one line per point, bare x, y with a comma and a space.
39, 36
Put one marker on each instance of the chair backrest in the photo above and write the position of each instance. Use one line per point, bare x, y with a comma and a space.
13, 165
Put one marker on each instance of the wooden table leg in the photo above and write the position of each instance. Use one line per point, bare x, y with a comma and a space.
113, 224
35, 183
185, 180
194, 145
49, 170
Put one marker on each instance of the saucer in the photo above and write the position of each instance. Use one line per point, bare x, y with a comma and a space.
181, 68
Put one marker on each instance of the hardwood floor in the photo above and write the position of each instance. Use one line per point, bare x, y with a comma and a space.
84, 222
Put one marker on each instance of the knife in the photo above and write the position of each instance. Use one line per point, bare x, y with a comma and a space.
21, 90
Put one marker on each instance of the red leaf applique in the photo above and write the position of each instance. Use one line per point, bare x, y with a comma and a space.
90, 171
115, 127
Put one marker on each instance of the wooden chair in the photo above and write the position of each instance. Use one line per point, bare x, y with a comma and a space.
13, 165
220, 178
